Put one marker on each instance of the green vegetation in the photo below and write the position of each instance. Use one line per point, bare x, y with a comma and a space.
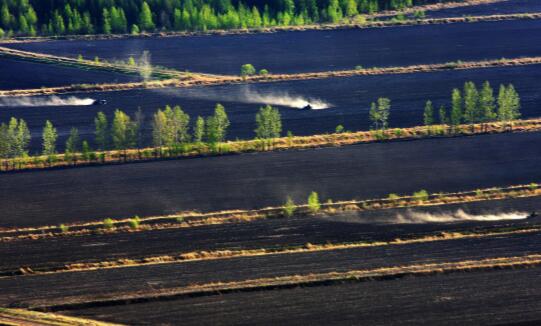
108, 224
379, 113
473, 106
49, 137
421, 195
64, 228
247, 70
269, 123
134, 222
32, 17
313, 202
428, 115
289, 207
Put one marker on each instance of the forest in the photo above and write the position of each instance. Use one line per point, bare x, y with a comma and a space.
37, 17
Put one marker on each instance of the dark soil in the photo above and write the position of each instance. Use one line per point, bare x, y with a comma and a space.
318, 50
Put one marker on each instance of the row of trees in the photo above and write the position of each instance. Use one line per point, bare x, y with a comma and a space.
31, 17
170, 128
473, 105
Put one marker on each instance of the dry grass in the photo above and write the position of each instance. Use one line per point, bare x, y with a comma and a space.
310, 279
26, 317
195, 219
228, 254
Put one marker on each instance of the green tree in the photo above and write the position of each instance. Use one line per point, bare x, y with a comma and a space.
101, 131
443, 115
72, 144
456, 108
216, 125
379, 113
289, 207
471, 103
199, 130
247, 70
122, 131
159, 129
106, 18
19, 138
145, 18
49, 137
269, 123
313, 202
428, 116
486, 102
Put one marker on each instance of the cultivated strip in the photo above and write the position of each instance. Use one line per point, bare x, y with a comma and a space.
192, 219
209, 80
292, 281
230, 254
258, 145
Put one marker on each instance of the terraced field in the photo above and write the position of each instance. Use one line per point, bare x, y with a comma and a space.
259, 180
317, 50
208, 240
349, 98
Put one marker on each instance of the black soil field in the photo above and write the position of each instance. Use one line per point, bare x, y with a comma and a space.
350, 99
507, 7
477, 298
271, 233
263, 179
27, 289
22, 74
318, 50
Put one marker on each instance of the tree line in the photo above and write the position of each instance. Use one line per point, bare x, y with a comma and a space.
170, 128
470, 105
473, 105
55, 17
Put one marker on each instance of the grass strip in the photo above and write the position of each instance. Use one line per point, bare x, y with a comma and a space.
191, 150
195, 219
291, 281
192, 79
30, 318
230, 254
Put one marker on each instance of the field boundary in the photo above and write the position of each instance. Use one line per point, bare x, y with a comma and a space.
294, 281
199, 79
194, 219
224, 254
201, 150
10, 316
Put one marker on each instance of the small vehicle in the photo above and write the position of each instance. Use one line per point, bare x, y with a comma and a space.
99, 102
307, 107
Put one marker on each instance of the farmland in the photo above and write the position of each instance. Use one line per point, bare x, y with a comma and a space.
349, 98
336, 50
348, 200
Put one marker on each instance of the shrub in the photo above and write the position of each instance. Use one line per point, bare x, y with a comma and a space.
180, 219
64, 228
313, 202
108, 224
339, 129
398, 132
289, 208
359, 67
421, 195
478, 192
419, 14
247, 70
393, 197
134, 222
533, 186
263, 72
